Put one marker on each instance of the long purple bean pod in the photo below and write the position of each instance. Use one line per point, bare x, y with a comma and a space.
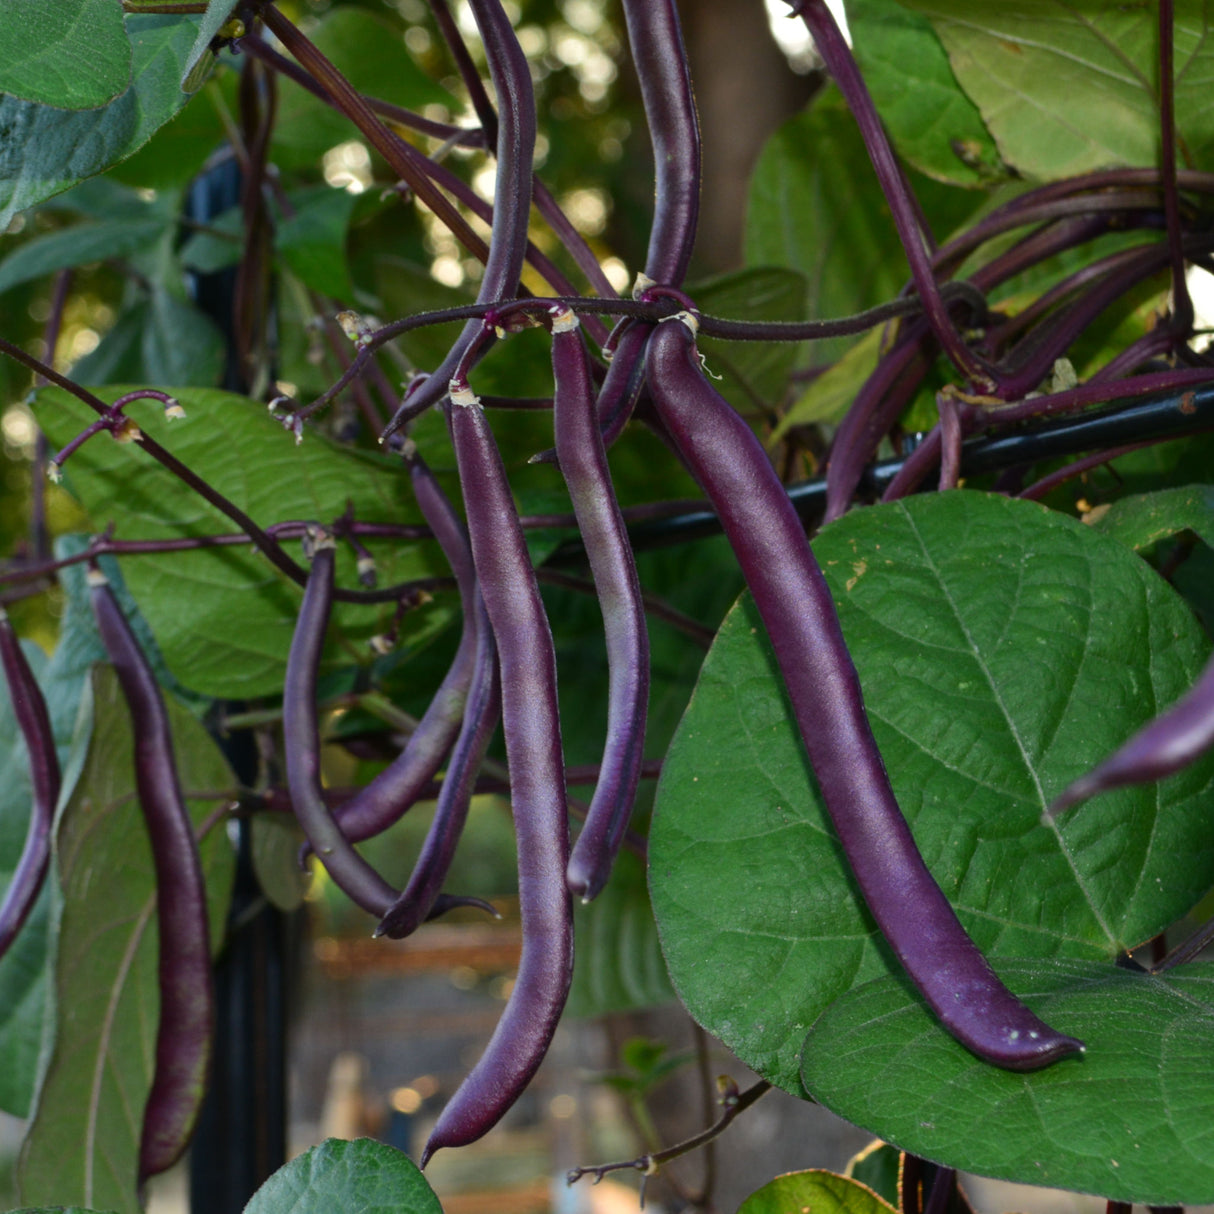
532, 729
433, 863
796, 607
29, 709
394, 790
1162, 747
187, 999
301, 741
511, 76
583, 461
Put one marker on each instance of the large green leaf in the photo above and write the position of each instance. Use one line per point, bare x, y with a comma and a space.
83, 1143
44, 151
77, 245
312, 241
1067, 88
820, 1191
1143, 519
1128, 1120
363, 1175
72, 54
1003, 649
223, 617
815, 206
217, 13
932, 123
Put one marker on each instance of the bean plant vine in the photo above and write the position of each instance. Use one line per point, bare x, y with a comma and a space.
930, 841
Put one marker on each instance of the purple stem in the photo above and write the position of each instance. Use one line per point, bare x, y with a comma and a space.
583, 460
792, 597
511, 75
187, 1001
29, 709
537, 787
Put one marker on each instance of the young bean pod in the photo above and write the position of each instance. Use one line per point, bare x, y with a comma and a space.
531, 724
187, 999
511, 76
29, 709
796, 607
417, 899
583, 462
301, 741
1162, 747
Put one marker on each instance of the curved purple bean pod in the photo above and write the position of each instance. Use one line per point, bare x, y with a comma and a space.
395, 789
511, 76
583, 462
799, 614
29, 708
481, 715
187, 999
1162, 747
537, 786
301, 741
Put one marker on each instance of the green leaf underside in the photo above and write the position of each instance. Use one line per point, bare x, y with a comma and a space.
363, 1175
932, 123
1066, 89
72, 54
1128, 1120
820, 1191
1146, 518
76, 246
188, 598
216, 14
44, 151
83, 1143
985, 631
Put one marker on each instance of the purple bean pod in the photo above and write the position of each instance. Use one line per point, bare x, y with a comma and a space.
1162, 747
796, 607
29, 709
187, 998
398, 787
583, 461
425, 883
531, 723
622, 385
511, 76
301, 741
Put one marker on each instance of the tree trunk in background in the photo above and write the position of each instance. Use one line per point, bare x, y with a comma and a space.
744, 91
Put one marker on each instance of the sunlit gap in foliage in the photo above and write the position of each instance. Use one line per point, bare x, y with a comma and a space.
1201, 292
793, 38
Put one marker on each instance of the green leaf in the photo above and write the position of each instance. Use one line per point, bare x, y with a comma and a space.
223, 617
59, 1210
754, 374
878, 1167
275, 851
222, 245
820, 1191
985, 631
363, 1175
83, 1143
815, 206
312, 242
77, 246
44, 151
365, 48
620, 964
1144, 519
932, 123
1128, 1120
179, 344
829, 396
217, 13
1066, 89
72, 54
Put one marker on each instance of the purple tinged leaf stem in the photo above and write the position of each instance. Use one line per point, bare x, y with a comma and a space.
187, 1004
29, 709
836, 54
531, 724
795, 604
583, 462
1164, 746
511, 76
301, 742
